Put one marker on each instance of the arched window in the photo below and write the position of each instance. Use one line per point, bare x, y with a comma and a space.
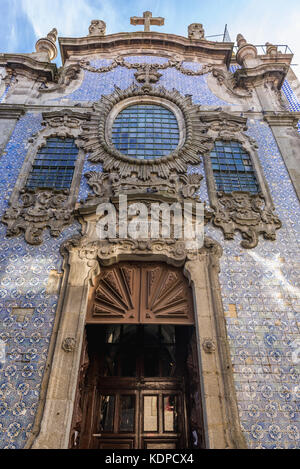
145, 131
54, 164
232, 168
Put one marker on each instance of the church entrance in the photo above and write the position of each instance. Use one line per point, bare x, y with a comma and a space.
139, 385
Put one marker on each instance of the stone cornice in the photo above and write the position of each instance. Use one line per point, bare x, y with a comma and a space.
140, 40
283, 119
12, 111
23, 62
251, 77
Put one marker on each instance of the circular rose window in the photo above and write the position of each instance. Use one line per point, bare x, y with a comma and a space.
145, 131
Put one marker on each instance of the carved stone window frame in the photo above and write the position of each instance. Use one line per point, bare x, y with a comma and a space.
146, 100
249, 213
48, 207
231, 128
99, 145
83, 258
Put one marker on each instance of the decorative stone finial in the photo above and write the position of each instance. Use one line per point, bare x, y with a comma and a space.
47, 44
246, 53
97, 28
196, 31
52, 36
272, 50
241, 41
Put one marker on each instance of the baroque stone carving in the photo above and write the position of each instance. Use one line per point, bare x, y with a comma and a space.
103, 151
68, 344
65, 121
97, 28
229, 81
106, 185
37, 210
226, 126
196, 31
110, 251
33, 210
63, 79
141, 67
246, 213
208, 345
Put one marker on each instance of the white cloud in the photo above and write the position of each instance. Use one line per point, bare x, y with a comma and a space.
71, 18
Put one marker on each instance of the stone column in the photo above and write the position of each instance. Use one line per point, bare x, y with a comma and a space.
58, 411
284, 128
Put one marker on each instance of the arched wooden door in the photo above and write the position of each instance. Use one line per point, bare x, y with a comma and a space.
135, 380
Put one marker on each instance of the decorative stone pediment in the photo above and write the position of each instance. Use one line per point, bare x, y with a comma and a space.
224, 124
246, 213
111, 251
101, 149
65, 120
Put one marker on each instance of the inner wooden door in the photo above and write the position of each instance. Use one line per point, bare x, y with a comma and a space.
134, 394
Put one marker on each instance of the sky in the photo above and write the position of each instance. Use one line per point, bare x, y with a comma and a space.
22, 22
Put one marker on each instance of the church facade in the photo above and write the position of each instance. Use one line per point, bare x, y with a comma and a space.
141, 338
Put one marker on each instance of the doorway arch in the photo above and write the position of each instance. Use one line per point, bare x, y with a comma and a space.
83, 261
135, 391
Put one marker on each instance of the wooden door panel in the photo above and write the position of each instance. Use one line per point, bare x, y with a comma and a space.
116, 298
116, 444
142, 293
159, 444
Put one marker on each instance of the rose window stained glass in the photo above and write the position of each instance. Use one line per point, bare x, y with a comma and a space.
232, 168
145, 131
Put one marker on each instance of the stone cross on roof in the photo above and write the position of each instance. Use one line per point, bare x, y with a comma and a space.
147, 20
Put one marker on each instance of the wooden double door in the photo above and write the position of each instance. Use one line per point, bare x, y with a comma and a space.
147, 415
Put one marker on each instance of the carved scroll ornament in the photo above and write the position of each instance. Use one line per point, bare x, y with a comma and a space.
37, 210
121, 62
246, 213
110, 184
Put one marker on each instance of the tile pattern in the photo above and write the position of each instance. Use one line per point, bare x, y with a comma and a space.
94, 85
24, 271
293, 102
263, 326
260, 288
